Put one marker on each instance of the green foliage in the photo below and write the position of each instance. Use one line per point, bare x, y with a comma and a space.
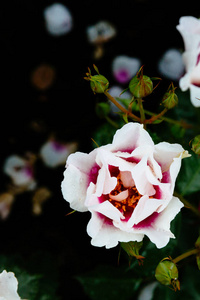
109, 283
102, 109
188, 180
104, 134
37, 278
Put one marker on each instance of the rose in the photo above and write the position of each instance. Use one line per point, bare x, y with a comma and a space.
189, 27
54, 153
127, 186
8, 286
21, 171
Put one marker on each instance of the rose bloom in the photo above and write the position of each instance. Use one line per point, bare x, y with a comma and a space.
8, 286
58, 19
189, 27
54, 153
20, 171
125, 67
127, 186
171, 64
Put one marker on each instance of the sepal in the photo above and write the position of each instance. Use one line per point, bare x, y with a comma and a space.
132, 249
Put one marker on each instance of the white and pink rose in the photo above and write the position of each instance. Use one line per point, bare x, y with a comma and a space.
189, 28
127, 186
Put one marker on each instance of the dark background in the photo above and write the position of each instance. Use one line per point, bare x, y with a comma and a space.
145, 29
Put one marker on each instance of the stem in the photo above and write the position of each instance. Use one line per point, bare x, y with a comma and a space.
156, 117
124, 110
172, 121
141, 109
187, 204
186, 254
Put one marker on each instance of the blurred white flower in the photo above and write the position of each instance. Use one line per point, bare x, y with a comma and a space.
100, 32
20, 171
147, 292
125, 67
171, 64
189, 28
58, 19
115, 92
8, 286
54, 153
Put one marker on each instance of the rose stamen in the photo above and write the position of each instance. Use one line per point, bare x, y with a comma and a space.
130, 201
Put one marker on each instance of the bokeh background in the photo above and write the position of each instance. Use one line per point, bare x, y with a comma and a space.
53, 244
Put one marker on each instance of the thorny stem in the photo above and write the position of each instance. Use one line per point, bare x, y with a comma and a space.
186, 254
124, 110
187, 204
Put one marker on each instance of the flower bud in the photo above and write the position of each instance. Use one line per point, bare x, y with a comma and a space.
170, 99
141, 85
99, 83
167, 273
196, 144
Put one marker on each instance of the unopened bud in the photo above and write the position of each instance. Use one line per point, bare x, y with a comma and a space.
170, 99
141, 85
196, 144
167, 273
98, 83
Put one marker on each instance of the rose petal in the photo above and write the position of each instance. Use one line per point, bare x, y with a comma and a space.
105, 234
142, 184
8, 286
121, 196
74, 188
195, 95
145, 208
165, 153
159, 233
132, 135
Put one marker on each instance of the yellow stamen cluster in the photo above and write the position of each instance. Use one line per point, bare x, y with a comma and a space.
129, 202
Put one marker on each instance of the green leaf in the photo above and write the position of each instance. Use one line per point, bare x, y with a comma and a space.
188, 180
109, 283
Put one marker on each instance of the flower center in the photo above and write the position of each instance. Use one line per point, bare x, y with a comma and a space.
124, 198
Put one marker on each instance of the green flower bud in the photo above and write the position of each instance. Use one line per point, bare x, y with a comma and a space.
196, 144
141, 85
99, 83
167, 273
170, 99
